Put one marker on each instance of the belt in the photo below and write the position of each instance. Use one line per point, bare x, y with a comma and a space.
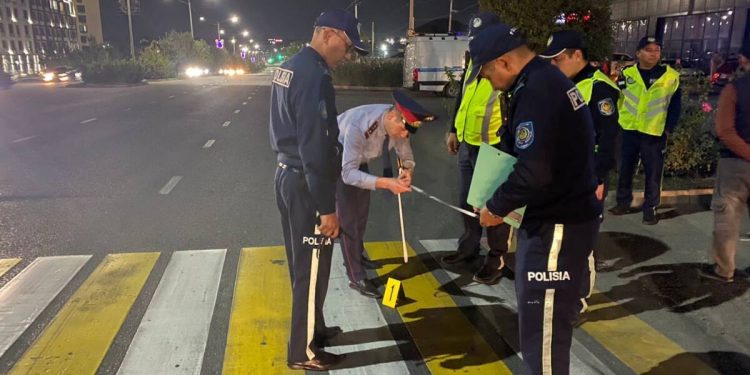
289, 168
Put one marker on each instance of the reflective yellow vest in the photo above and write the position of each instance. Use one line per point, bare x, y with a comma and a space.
478, 119
586, 86
646, 110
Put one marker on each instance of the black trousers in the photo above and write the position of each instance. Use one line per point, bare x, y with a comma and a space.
650, 150
309, 258
497, 236
551, 260
353, 206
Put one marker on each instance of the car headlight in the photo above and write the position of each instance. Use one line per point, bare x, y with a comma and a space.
49, 76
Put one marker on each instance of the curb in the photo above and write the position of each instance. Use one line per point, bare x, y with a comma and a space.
364, 88
699, 198
105, 86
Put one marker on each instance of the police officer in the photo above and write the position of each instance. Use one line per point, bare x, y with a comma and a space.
477, 120
567, 50
304, 134
550, 131
649, 110
363, 132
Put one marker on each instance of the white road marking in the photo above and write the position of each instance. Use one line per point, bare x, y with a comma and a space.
29, 293
88, 121
171, 97
249, 97
236, 111
170, 185
244, 103
173, 333
226, 123
23, 139
127, 109
209, 143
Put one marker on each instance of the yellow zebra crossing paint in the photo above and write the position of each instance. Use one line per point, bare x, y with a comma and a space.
7, 264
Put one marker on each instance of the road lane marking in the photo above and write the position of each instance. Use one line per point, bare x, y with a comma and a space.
170, 185
7, 264
459, 341
261, 311
88, 121
171, 97
29, 293
249, 97
127, 109
226, 123
23, 139
172, 336
209, 143
236, 111
244, 103
79, 336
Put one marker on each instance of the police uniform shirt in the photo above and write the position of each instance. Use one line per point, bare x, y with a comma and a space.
603, 108
551, 133
303, 127
362, 132
649, 77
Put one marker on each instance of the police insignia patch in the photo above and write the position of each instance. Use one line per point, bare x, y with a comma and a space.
283, 77
576, 98
323, 110
476, 22
525, 135
606, 107
630, 81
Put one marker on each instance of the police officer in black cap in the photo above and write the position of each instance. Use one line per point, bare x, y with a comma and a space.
304, 135
550, 131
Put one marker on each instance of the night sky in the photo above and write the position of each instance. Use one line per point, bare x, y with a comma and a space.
287, 19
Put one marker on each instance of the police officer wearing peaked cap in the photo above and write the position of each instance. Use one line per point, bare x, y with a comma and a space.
551, 133
478, 118
363, 132
304, 135
567, 50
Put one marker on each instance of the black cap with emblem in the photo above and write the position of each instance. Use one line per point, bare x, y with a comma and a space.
414, 114
562, 40
492, 43
646, 40
481, 21
343, 20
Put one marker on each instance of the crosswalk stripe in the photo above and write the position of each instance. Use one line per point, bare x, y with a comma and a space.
7, 264
29, 293
79, 336
458, 347
636, 343
261, 311
172, 336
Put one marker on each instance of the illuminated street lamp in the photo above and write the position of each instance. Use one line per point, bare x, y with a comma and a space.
245, 33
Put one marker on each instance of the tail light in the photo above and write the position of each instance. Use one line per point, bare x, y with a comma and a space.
415, 75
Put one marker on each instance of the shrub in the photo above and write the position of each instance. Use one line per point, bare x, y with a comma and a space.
156, 65
692, 150
370, 72
114, 71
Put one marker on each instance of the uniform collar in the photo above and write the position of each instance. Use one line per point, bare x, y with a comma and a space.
315, 55
587, 72
535, 63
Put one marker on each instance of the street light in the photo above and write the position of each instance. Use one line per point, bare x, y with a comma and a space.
219, 30
190, 14
234, 19
202, 18
245, 33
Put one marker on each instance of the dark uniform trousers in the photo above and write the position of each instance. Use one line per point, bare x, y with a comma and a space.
550, 265
497, 237
651, 151
309, 259
353, 206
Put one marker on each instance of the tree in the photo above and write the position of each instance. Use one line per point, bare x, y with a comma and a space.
182, 50
538, 19
155, 63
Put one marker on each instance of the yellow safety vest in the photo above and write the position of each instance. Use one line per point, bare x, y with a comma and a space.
646, 110
478, 119
586, 86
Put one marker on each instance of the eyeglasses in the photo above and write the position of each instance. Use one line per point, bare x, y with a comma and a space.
345, 38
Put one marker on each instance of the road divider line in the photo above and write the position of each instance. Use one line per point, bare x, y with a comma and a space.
209, 143
29, 293
170, 185
171, 338
459, 342
244, 103
127, 109
261, 311
7, 264
171, 97
80, 335
226, 123
236, 111
88, 121
23, 139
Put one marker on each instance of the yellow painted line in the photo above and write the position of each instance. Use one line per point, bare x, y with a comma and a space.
261, 314
634, 342
7, 264
445, 338
79, 336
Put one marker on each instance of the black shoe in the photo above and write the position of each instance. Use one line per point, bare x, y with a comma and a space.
708, 271
366, 288
369, 264
619, 210
322, 339
582, 318
323, 361
649, 216
458, 257
490, 274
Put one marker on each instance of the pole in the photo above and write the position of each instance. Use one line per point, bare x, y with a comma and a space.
401, 217
218, 30
356, 15
372, 39
410, 32
130, 29
450, 18
190, 13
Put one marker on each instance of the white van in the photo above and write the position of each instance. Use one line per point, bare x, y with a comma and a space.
429, 59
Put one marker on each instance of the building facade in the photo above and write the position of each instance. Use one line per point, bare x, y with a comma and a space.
89, 22
690, 29
17, 50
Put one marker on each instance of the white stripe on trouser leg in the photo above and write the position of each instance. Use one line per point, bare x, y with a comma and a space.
585, 306
311, 298
549, 301
592, 274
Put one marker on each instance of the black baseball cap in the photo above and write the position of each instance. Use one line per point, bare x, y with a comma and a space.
493, 42
481, 21
646, 40
345, 21
562, 40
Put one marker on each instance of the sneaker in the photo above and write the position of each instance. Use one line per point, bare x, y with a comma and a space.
619, 210
708, 271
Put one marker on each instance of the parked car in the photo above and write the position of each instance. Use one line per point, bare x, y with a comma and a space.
6, 80
62, 74
723, 74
